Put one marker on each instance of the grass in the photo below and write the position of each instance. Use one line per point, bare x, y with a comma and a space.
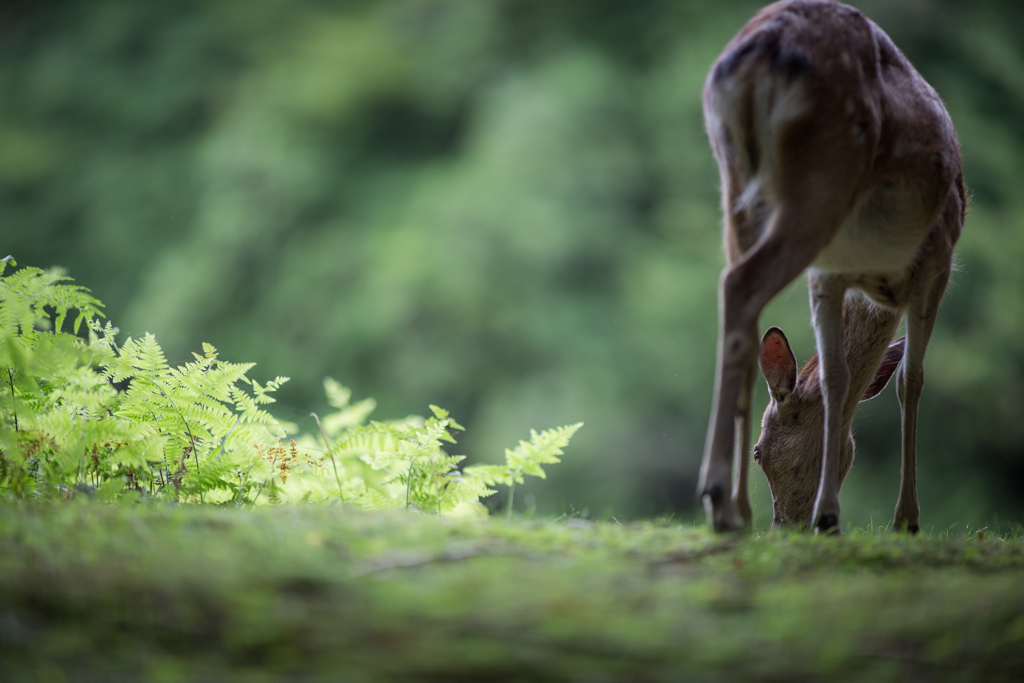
95, 592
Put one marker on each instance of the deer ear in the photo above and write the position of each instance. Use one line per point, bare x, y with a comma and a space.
778, 364
891, 361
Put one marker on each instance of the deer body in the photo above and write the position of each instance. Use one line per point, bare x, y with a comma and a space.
836, 157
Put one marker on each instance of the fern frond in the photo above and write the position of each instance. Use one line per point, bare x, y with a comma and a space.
528, 456
348, 417
249, 409
26, 294
542, 449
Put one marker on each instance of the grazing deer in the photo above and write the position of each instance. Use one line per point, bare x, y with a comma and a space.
835, 157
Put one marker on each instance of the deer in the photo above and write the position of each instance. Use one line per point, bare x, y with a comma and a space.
837, 158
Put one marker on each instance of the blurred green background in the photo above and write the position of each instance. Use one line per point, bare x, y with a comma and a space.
507, 208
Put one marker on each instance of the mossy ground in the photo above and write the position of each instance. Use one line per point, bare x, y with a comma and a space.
97, 592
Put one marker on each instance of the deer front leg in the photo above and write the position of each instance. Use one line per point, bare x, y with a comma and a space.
745, 289
827, 314
909, 384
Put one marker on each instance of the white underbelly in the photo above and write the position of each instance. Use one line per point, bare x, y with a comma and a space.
883, 235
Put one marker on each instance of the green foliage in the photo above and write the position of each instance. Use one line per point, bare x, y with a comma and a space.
402, 463
188, 433
527, 458
505, 207
201, 432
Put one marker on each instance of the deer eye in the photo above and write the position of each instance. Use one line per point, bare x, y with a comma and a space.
757, 454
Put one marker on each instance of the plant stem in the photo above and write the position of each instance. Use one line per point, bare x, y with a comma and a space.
192, 444
264, 484
14, 401
327, 445
408, 482
512, 493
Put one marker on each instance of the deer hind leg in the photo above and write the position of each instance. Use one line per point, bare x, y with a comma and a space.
827, 292
794, 236
921, 312
744, 224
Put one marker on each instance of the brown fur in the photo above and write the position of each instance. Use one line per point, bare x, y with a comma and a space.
836, 157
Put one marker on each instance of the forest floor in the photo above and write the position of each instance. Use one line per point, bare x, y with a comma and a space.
99, 592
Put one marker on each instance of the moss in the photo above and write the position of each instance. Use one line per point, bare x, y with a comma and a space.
307, 593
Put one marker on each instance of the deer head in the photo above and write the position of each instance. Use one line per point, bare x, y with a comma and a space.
790, 446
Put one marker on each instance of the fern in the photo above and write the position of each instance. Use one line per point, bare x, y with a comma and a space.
527, 458
27, 293
202, 432
66, 427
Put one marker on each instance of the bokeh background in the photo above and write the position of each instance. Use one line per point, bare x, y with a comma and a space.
507, 208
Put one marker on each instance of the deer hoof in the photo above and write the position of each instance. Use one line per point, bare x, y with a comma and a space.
906, 521
827, 524
722, 514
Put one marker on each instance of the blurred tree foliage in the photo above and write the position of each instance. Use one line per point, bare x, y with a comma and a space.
506, 207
